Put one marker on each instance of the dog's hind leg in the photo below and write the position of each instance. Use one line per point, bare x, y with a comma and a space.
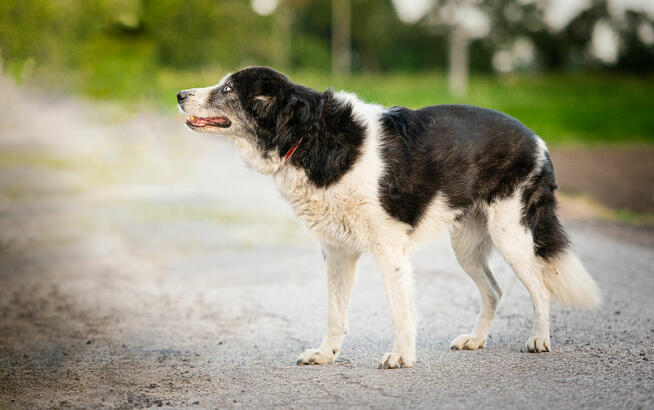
515, 242
341, 271
472, 244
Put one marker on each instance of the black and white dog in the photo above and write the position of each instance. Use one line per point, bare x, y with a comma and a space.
369, 178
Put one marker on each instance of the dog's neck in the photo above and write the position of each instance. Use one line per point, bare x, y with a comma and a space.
326, 151
333, 144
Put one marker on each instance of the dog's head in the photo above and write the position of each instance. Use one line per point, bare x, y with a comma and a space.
260, 109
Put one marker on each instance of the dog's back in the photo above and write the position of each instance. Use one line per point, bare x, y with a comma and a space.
468, 154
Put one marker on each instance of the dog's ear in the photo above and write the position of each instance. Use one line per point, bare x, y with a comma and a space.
263, 104
293, 119
302, 109
295, 113
298, 110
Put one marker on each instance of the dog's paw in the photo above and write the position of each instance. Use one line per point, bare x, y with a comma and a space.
467, 342
316, 356
395, 361
536, 344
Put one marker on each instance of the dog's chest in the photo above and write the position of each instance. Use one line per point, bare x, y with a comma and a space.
338, 215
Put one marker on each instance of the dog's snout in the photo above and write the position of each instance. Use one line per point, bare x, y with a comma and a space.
182, 95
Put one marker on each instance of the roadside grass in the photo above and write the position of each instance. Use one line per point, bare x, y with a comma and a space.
634, 218
564, 108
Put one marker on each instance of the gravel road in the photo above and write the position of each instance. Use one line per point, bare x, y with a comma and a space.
141, 265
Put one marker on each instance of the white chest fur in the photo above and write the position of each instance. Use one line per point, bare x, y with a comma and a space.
337, 215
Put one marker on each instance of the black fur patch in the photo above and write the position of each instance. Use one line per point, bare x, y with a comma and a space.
331, 136
539, 213
468, 154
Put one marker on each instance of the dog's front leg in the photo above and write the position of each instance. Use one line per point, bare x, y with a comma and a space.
395, 267
341, 270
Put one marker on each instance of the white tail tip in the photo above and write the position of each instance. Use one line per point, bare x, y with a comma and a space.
569, 282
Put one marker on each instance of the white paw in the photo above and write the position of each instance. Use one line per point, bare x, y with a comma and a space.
536, 344
467, 342
316, 356
395, 361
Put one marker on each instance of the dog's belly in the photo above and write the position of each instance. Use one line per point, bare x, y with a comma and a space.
349, 215
436, 219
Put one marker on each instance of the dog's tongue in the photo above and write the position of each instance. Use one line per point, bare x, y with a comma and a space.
207, 121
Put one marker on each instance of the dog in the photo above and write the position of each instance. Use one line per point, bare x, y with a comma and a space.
365, 178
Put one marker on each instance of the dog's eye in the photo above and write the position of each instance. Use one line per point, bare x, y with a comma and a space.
227, 88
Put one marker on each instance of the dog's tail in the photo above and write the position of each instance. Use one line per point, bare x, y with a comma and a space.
563, 274
569, 282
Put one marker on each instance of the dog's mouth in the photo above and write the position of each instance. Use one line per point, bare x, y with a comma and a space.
197, 122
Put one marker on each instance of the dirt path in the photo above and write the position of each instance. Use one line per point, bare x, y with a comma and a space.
143, 266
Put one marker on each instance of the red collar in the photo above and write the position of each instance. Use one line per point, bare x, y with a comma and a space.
292, 150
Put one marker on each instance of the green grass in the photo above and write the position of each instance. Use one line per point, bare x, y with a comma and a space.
564, 109
634, 218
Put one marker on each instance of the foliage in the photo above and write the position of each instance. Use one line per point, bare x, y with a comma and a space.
143, 51
192, 34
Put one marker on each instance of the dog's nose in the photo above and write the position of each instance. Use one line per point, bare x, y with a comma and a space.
182, 95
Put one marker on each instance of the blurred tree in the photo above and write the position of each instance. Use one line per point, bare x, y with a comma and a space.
283, 35
111, 39
458, 58
461, 21
197, 33
282, 12
524, 34
379, 40
637, 50
341, 43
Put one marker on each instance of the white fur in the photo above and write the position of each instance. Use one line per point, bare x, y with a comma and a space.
472, 244
437, 217
516, 245
341, 271
252, 157
569, 282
